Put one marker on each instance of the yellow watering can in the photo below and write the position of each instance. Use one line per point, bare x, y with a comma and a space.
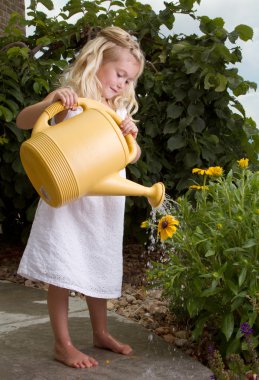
82, 155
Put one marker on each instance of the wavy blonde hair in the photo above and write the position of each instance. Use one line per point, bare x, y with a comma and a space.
81, 75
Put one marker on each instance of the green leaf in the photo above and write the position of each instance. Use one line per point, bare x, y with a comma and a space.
210, 292
16, 94
6, 113
222, 83
244, 32
191, 67
199, 326
134, 170
232, 286
187, 4
210, 252
16, 51
228, 326
235, 249
194, 305
210, 80
174, 111
45, 40
117, 3
233, 36
9, 72
179, 94
191, 159
198, 125
242, 276
47, 3
176, 142
19, 133
236, 303
195, 109
17, 166
233, 347
152, 129
250, 243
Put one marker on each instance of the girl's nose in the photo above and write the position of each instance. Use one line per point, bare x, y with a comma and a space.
121, 83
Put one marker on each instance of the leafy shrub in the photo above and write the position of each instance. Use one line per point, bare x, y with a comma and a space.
189, 112
210, 269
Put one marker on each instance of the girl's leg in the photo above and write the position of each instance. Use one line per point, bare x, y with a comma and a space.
101, 338
64, 350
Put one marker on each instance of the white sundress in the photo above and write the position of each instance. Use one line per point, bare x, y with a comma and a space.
78, 246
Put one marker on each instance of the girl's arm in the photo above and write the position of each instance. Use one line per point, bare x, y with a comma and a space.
29, 115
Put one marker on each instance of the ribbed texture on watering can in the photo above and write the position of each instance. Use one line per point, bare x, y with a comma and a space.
56, 182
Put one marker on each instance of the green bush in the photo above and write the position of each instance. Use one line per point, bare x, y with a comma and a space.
189, 110
210, 266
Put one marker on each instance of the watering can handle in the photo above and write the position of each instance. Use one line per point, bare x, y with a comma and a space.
129, 138
42, 122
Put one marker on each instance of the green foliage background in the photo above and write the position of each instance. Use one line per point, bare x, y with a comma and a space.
189, 110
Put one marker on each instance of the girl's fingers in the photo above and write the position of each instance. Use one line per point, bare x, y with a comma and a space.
67, 96
132, 131
128, 127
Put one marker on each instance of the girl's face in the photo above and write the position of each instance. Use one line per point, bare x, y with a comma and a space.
116, 75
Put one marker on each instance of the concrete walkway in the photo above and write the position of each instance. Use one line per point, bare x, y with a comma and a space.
26, 344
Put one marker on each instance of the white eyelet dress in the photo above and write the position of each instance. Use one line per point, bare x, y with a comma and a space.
78, 246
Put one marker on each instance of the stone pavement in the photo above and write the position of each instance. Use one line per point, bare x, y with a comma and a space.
26, 344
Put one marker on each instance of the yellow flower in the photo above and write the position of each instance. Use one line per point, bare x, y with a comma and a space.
167, 226
215, 171
198, 187
219, 226
144, 224
257, 211
243, 163
199, 171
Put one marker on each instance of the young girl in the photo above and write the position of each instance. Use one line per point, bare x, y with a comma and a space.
79, 245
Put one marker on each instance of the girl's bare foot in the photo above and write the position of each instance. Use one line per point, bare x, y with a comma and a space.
70, 356
105, 340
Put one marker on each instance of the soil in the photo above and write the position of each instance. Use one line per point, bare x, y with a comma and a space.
138, 302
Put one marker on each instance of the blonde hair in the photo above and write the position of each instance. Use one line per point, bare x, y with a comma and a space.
81, 75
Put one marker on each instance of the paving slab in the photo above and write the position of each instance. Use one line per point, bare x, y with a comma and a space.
26, 343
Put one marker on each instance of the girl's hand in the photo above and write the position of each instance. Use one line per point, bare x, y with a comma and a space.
127, 127
27, 118
66, 95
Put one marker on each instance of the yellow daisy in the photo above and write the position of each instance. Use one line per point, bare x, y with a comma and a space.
144, 224
243, 163
215, 171
167, 226
199, 171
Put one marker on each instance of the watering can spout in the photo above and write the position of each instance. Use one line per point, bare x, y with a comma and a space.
157, 195
117, 185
